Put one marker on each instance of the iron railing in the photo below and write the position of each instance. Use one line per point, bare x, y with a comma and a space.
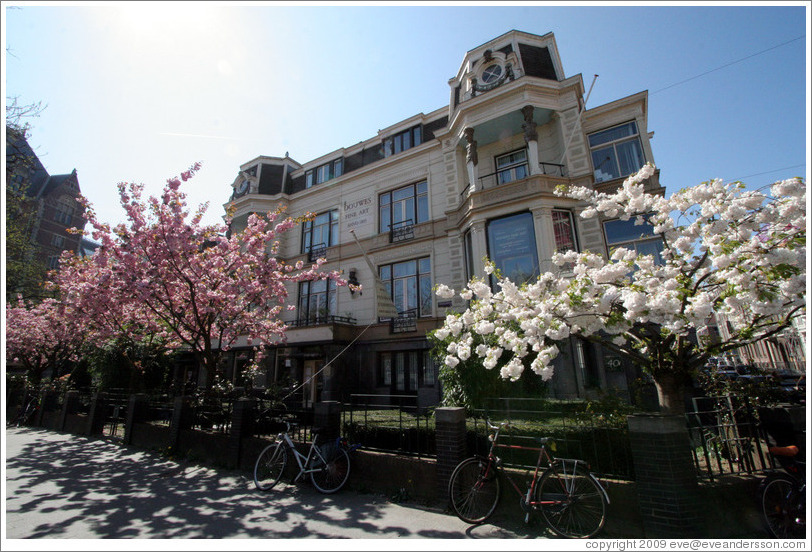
390, 423
601, 440
401, 231
321, 320
727, 438
317, 251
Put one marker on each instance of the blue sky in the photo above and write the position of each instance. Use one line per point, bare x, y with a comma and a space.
138, 92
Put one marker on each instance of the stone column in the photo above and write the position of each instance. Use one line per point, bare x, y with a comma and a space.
472, 160
531, 138
545, 237
667, 486
478, 247
451, 444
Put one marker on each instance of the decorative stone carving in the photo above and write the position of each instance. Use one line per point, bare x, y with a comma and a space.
471, 153
529, 125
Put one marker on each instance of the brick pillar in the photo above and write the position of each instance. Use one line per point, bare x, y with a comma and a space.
96, 416
327, 416
667, 486
44, 397
69, 406
136, 413
181, 419
451, 444
242, 426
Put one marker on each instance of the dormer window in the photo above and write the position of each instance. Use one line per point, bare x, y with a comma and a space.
402, 141
325, 172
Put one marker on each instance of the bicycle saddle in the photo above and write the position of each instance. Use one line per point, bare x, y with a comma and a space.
789, 451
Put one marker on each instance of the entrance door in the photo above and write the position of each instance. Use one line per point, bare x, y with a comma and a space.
312, 386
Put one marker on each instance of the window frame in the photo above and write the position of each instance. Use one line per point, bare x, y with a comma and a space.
63, 213
511, 168
422, 284
516, 257
424, 366
305, 299
417, 197
396, 143
308, 230
571, 218
614, 143
633, 243
324, 172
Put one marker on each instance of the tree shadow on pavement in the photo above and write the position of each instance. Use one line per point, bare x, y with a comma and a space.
114, 491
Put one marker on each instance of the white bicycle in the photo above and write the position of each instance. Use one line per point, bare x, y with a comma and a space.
327, 465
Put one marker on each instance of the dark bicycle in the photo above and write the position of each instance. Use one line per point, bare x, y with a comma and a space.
27, 412
571, 500
782, 494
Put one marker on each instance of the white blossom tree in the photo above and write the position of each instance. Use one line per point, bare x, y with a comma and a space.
724, 249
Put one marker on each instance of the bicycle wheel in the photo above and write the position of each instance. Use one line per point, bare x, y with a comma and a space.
270, 466
473, 490
783, 507
572, 501
333, 474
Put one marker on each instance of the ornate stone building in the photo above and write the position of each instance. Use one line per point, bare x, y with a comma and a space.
427, 198
48, 206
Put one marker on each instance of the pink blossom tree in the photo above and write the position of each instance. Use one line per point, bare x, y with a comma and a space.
42, 336
725, 250
163, 273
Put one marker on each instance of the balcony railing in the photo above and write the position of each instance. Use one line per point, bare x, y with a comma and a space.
491, 180
321, 321
406, 321
401, 231
317, 251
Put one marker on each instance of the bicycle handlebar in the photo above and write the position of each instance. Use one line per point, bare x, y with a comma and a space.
502, 425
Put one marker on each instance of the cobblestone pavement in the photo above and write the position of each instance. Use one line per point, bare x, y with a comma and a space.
62, 486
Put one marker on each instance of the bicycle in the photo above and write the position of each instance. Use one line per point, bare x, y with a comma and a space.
26, 414
571, 500
328, 466
782, 494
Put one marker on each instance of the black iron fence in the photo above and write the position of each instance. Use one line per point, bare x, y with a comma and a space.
599, 439
389, 423
728, 436
272, 417
116, 403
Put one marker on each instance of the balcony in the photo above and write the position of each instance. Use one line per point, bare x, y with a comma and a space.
514, 174
401, 231
321, 320
406, 321
318, 251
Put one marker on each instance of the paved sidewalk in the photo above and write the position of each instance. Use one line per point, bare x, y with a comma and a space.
62, 486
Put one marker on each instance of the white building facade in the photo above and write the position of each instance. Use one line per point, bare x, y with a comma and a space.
426, 199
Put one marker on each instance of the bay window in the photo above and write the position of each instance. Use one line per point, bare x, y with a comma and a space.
616, 152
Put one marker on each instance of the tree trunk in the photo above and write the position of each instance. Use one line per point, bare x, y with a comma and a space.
670, 393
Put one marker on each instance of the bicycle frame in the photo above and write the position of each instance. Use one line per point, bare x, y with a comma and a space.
302, 460
544, 455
